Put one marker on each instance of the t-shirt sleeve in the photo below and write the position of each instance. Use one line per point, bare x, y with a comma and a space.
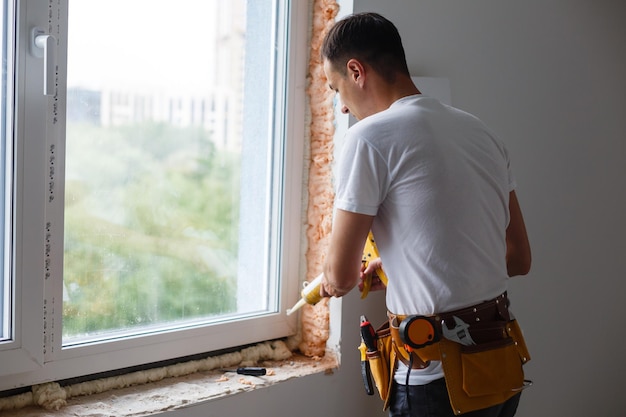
360, 178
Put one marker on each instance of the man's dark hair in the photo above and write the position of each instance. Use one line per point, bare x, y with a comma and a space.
370, 38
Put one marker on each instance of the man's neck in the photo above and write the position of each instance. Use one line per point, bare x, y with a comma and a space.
388, 93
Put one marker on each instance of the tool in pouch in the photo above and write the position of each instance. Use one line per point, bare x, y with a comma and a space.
420, 331
459, 333
368, 344
311, 292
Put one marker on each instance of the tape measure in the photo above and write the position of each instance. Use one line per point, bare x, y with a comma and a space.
419, 331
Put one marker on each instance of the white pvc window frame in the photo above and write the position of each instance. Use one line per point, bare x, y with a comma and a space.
34, 353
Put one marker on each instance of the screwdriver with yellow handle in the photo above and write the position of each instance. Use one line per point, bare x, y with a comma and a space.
311, 292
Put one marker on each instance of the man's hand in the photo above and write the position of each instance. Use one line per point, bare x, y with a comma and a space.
376, 284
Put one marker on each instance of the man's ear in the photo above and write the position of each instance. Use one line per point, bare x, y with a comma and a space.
356, 71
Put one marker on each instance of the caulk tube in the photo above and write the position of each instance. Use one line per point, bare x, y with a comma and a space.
310, 294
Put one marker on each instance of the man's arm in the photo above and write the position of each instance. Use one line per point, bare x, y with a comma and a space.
518, 256
343, 261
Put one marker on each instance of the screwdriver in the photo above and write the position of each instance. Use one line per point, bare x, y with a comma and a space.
248, 370
368, 334
368, 344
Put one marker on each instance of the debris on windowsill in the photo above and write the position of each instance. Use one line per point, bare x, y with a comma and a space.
179, 392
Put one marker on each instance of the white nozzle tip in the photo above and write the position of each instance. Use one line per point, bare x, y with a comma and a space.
296, 307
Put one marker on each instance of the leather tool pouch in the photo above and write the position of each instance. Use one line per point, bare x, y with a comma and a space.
485, 374
479, 375
383, 363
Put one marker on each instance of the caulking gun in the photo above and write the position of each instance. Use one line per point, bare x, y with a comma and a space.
311, 292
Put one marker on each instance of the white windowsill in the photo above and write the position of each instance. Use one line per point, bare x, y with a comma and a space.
180, 392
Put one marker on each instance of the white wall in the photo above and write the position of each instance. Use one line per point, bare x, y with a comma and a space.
549, 78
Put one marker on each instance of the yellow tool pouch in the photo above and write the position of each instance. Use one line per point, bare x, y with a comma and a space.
383, 362
480, 376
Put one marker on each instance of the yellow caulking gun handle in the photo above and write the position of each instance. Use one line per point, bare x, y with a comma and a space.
370, 252
367, 284
383, 277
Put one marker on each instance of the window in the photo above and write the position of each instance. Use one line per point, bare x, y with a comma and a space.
165, 216
5, 165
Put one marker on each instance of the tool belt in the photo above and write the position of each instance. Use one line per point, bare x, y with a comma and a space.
481, 349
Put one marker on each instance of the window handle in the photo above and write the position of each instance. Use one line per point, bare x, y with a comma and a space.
44, 47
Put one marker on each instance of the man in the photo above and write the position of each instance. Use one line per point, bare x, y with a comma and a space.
435, 187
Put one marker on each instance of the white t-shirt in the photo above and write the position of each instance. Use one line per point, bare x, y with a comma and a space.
437, 181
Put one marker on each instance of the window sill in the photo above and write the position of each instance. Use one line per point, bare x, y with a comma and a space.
180, 392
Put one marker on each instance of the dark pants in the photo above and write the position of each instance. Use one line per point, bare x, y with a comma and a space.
431, 400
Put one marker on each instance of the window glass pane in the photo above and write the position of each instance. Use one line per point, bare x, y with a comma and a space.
154, 151
5, 199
